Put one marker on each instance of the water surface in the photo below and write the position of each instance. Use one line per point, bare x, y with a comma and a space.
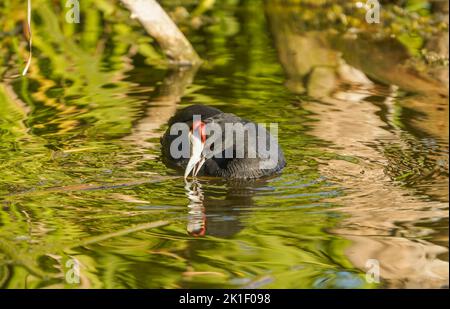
81, 177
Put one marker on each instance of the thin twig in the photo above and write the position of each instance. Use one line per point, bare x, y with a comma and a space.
137, 228
91, 187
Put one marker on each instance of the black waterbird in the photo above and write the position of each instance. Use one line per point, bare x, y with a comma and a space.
201, 162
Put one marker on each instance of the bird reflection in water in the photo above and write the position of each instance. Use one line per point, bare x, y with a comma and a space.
196, 215
216, 207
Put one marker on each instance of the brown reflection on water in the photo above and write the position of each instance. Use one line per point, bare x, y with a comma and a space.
393, 186
382, 214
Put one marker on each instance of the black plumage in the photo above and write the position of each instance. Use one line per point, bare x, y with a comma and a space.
230, 168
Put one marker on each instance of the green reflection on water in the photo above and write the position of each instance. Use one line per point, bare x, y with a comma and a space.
77, 161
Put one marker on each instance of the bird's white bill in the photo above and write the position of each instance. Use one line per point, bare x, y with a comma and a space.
197, 159
198, 166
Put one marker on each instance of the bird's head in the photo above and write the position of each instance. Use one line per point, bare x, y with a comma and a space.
197, 140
